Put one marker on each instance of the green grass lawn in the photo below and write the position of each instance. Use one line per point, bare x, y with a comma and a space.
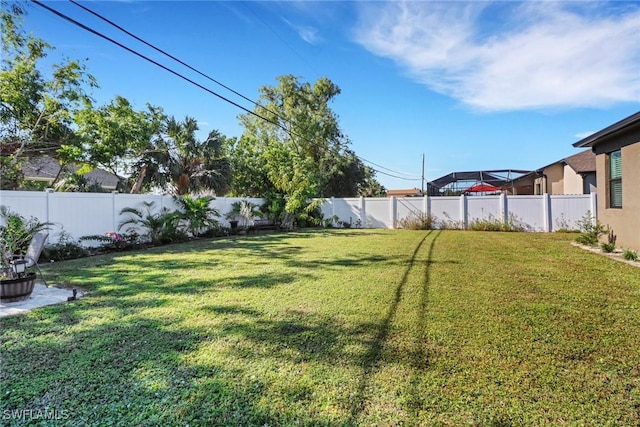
342, 327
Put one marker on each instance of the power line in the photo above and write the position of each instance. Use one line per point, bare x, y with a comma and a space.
91, 30
398, 177
412, 177
157, 49
289, 131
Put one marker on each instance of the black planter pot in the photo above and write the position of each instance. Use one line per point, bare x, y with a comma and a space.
13, 290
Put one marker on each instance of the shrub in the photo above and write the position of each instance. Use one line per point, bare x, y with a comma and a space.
418, 221
331, 221
607, 247
591, 230
112, 241
449, 223
630, 255
65, 248
496, 224
197, 214
346, 224
160, 228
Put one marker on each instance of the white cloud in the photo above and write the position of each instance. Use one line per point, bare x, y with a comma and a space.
511, 56
307, 33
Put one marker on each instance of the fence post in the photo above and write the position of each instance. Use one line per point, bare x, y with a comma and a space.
114, 216
463, 212
546, 206
363, 210
504, 210
394, 210
426, 206
594, 208
48, 192
333, 207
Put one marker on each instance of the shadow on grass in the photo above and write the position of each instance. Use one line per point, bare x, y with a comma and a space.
136, 370
373, 356
298, 337
97, 369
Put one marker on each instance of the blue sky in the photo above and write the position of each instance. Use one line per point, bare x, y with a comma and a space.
472, 85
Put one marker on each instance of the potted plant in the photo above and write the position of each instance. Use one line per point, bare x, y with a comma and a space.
16, 284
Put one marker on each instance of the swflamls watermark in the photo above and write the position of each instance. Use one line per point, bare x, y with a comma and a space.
35, 414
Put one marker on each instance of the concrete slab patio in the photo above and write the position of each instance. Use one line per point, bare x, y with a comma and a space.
40, 297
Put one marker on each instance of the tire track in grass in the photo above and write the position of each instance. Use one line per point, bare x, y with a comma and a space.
372, 358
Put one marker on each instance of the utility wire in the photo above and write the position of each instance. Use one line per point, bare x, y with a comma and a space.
97, 33
157, 49
413, 177
399, 177
91, 30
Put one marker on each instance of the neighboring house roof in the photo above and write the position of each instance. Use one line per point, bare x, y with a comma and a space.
413, 192
40, 168
609, 131
583, 162
46, 169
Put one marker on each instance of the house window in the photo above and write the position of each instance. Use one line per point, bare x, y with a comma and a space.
615, 179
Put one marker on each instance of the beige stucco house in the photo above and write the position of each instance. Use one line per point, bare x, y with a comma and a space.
617, 150
575, 174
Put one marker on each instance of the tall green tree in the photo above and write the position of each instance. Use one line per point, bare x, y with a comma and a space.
196, 165
300, 141
293, 145
249, 169
119, 139
36, 108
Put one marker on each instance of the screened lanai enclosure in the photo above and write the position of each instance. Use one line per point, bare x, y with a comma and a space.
475, 182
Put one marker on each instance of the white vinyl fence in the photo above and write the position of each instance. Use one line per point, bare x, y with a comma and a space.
83, 214
534, 213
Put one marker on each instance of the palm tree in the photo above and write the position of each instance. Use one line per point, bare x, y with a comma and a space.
197, 213
194, 165
160, 227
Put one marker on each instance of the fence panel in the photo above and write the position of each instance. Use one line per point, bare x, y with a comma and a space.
347, 210
566, 211
484, 208
446, 209
409, 207
87, 215
81, 214
378, 213
26, 203
528, 211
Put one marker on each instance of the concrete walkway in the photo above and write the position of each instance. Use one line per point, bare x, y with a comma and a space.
40, 297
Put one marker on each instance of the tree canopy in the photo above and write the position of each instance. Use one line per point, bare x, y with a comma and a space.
292, 148
36, 109
293, 145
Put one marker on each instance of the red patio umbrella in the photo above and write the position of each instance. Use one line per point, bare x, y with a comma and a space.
482, 188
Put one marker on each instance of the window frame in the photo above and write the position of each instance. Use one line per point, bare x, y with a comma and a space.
614, 181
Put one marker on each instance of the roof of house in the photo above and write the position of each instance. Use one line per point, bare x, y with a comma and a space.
583, 162
404, 193
597, 137
47, 168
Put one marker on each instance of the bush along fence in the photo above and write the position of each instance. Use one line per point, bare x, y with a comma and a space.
83, 214
544, 213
